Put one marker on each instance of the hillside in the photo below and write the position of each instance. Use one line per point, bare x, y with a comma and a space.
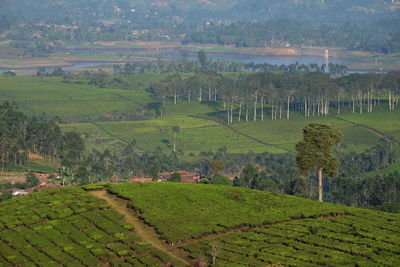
87, 12
240, 227
72, 228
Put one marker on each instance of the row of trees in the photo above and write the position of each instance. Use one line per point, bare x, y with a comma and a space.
247, 97
21, 135
203, 63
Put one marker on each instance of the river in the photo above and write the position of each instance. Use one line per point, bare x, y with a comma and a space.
175, 55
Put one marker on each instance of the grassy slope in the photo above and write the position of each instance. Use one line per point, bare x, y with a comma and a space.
69, 101
296, 236
72, 228
197, 135
287, 133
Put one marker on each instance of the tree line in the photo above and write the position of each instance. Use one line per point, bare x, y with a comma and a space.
185, 65
247, 97
21, 135
366, 36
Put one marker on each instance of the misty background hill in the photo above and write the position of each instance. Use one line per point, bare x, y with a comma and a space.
371, 25
95, 11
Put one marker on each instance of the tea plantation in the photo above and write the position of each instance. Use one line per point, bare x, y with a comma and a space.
69, 227
200, 223
254, 228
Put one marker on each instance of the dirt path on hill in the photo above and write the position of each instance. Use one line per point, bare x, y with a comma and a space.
114, 136
147, 233
242, 134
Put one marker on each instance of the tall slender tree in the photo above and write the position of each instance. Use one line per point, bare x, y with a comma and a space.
315, 151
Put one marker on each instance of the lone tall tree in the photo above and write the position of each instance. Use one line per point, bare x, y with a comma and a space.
315, 151
202, 58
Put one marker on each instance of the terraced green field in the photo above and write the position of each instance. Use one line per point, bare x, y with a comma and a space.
69, 227
360, 240
241, 227
254, 228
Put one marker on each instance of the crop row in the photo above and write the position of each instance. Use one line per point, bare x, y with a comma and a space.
91, 236
78, 240
47, 205
295, 244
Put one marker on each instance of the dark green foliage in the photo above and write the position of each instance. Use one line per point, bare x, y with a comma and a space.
389, 207
355, 36
202, 58
204, 181
380, 190
31, 180
217, 166
313, 230
315, 151
6, 195
101, 79
249, 176
316, 148
219, 179
82, 175
9, 73
175, 177
57, 72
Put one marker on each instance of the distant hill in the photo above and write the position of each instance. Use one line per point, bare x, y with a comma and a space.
239, 227
350, 24
91, 11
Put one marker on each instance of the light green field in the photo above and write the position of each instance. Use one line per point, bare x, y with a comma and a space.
287, 133
202, 134
384, 121
195, 135
69, 101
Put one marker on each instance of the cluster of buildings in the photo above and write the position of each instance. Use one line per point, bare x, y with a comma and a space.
186, 177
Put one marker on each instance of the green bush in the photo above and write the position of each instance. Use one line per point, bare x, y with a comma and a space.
221, 180
6, 195
175, 177
31, 180
204, 181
